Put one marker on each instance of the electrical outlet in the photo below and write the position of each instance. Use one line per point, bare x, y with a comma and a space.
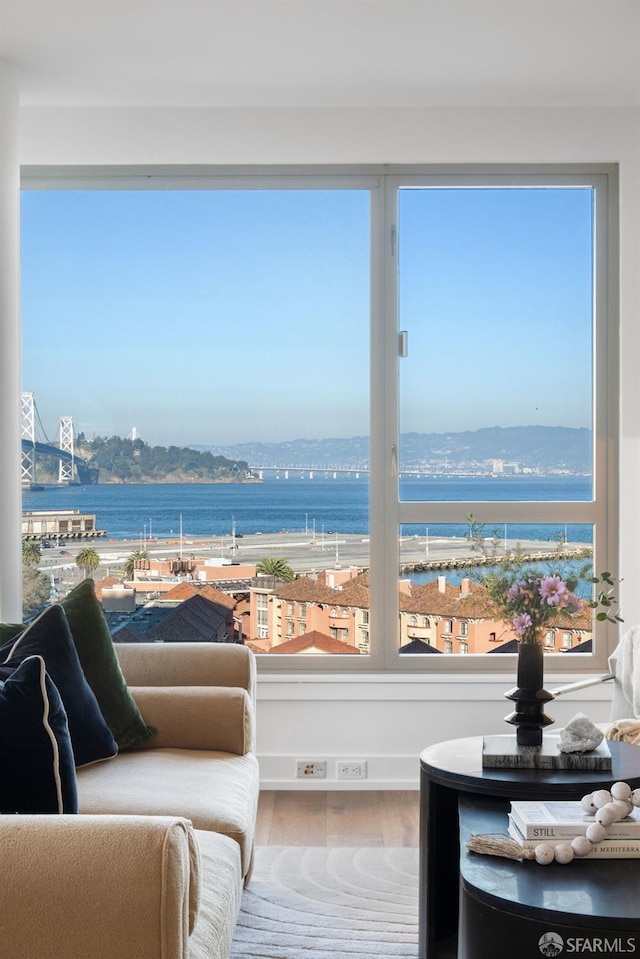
351, 769
311, 769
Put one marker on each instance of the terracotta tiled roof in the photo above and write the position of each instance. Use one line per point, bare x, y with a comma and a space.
106, 583
412, 604
182, 591
186, 590
306, 590
352, 594
317, 641
430, 600
258, 645
362, 579
564, 621
476, 603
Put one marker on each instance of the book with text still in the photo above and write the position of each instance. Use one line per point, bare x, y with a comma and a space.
566, 819
607, 849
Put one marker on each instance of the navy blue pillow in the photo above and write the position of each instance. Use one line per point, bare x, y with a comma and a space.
37, 771
49, 636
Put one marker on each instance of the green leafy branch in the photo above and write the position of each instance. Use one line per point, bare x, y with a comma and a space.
605, 600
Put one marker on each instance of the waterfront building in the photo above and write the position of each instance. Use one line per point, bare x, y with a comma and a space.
59, 524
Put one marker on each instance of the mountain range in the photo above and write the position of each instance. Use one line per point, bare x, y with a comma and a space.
532, 448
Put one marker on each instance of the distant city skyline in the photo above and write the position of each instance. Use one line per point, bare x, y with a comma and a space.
219, 317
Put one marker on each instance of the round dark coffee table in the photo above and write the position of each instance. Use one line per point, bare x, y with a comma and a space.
454, 768
590, 905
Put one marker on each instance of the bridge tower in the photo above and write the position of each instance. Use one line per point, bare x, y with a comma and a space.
65, 469
28, 432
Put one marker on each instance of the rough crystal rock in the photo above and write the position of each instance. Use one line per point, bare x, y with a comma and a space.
580, 735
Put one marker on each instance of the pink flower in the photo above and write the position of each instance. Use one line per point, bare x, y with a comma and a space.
522, 623
514, 592
554, 590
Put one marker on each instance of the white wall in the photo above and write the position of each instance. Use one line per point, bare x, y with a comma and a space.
387, 721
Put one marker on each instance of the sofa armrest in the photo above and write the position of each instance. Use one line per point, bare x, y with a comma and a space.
98, 886
188, 664
198, 717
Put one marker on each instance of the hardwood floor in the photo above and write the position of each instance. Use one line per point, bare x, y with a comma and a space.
338, 818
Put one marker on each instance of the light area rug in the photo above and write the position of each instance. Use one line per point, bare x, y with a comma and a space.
330, 902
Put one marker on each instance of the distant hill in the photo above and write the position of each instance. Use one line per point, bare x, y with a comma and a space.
115, 460
539, 448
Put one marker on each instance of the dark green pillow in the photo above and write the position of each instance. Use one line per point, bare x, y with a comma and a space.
9, 630
101, 667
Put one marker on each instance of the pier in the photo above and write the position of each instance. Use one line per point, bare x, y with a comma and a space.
474, 560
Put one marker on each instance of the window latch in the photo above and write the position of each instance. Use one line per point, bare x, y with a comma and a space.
403, 343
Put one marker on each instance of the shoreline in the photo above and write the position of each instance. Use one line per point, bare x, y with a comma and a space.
305, 554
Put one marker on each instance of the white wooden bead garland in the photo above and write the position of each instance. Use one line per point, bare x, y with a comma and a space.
606, 805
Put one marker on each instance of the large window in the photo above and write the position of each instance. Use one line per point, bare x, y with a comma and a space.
388, 379
506, 405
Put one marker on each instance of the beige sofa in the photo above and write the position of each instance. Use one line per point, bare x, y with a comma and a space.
154, 866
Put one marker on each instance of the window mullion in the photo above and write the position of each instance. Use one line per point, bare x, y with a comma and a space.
384, 429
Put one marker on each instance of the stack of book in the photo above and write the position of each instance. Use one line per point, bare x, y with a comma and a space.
532, 823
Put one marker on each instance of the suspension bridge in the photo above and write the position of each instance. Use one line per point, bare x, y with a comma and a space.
71, 467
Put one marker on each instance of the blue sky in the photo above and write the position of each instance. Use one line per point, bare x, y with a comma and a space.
496, 293
220, 317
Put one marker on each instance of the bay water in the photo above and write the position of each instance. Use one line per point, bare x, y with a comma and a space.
318, 505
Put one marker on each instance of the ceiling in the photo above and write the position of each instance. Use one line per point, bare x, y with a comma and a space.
324, 53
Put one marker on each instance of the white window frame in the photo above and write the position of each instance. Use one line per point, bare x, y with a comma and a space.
602, 511
387, 512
